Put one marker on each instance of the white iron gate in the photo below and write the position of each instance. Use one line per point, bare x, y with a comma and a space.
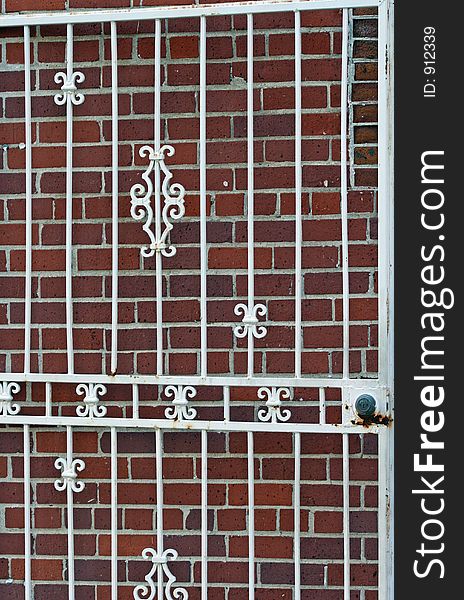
158, 204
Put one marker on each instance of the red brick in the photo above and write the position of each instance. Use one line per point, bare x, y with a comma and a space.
312, 96
321, 18
183, 47
311, 43
219, 48
328, 522
47, 518
231, 519
325, 203
100, 260
265, 547
52, 567
15, 53
20, 5
236, 258
229, 204
11, 493
124, 48
11, 543
361, 574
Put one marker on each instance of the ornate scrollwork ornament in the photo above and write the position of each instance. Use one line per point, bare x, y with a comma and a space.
273, 411
250, 320
179, 408
173, 207
69, 88
148, 592
7, 406
91, 407
69, 473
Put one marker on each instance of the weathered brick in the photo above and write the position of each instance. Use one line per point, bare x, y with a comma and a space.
227, 235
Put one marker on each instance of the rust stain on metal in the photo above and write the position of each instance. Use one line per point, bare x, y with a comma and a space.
377, 419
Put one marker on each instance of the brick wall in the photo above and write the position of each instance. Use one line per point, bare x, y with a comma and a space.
274, 263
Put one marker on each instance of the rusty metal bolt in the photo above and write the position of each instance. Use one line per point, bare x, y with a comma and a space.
366, 406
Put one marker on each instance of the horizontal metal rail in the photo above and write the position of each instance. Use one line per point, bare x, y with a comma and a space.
173, 12
193, 425
257, 381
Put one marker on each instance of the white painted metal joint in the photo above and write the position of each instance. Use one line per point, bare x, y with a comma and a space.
91, 407
7, 391
250, 320
273, 411
180, 408
69, 474
69, 88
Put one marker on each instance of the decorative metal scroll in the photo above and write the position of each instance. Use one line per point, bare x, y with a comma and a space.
148, 592
7, 406
69, 473
69, 88
273, 411
250, 320
179, 408
173, 208
91, 407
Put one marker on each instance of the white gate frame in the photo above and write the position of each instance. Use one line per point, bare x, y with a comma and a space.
180, 415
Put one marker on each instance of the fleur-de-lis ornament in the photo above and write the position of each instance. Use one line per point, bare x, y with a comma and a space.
173, 208
273, 411
69, 472
69, 88
7, 406
179, 408
91, 407
250, 320
160, 561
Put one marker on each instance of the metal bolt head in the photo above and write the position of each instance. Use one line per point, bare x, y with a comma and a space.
366, 406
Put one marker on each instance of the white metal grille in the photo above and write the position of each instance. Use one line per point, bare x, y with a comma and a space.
158, 204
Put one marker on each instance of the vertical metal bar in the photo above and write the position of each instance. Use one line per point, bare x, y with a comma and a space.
157, 123
114, 190
297, 524
322, 406
70, 515
27, 514
135, 401
204, 514
298, 185
226, 392
159, 505
203, 249
250, 188
251, 517
385, 541
385, 294
28, 139
385, 206
344, 198
48, 399
159, 265
114, 514
69, 202
346, 517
